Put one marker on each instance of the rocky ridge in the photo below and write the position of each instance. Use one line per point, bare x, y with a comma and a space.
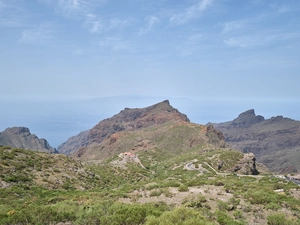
20, 137
126, 120
275, 141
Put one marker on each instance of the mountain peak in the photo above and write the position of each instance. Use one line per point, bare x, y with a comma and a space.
20, 137
247, 118
136, 118
17, 130
128, 119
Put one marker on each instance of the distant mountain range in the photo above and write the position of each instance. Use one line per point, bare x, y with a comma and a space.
20, 137
275, 141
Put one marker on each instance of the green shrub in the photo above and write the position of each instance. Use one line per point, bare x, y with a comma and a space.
171, 183
224, 218
277, 219
179, 216
262, 197
155, 193
194, 201
223, 206
273, 206
167, 192
238, 214
183, 188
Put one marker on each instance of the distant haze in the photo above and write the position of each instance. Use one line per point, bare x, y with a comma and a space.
56, 121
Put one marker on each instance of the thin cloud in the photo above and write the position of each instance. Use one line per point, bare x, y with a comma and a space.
73, 8
261, 40
191, 12
12, 14
44, 33
234, 25
98, 25
94, 23
150, 23
114, 44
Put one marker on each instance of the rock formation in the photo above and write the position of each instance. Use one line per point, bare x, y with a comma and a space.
126, 120
275, 141
20, 137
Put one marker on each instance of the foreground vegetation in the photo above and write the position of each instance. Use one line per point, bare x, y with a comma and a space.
163, 193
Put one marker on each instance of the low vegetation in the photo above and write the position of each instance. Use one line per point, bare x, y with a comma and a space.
164, 193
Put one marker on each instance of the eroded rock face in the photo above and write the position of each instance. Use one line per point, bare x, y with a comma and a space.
246, 119
20, 137
275, 141
247, 165
74, 143
126, 120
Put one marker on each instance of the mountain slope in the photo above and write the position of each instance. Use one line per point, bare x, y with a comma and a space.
52, 171
158, 127
275, 141
126, 120
20, 137
157, 133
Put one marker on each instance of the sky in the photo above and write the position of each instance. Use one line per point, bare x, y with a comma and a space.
214, 50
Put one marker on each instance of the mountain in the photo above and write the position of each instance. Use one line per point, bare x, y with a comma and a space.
20, 137
148, 127
275, 141
126, 120
144, 166
158, 132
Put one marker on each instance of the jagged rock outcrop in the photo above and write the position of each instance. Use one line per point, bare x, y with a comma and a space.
247, 165
275, 141
20, 137
247, 119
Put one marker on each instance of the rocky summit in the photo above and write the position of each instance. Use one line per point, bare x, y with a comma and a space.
20, 137
275, 141
126, 120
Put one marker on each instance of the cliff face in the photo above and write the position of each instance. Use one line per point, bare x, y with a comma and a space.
275, 141
74, 143
20, 137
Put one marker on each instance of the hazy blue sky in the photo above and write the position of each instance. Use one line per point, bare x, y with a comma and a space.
213, 58
192, 48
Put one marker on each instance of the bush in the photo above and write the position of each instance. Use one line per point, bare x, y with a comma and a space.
279, 218
182, 216
238, 214
273, 206
183, 188
223, 206
155, 193
194, 202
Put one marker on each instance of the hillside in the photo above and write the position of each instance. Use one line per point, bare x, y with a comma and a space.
155, 128
51, 171
275, 141
144, 166
20, 137
126, 120
187, 188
